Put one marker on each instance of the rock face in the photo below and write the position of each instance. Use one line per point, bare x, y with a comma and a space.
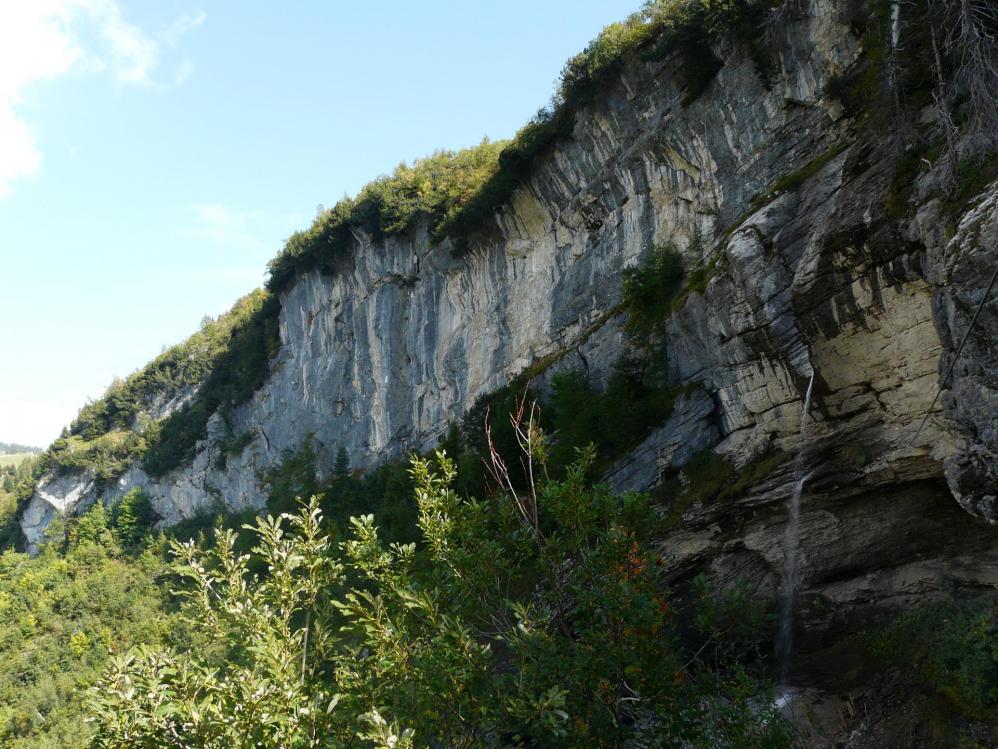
56, 495
815, 279
963, 272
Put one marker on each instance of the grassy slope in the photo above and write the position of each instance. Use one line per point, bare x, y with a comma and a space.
13, 459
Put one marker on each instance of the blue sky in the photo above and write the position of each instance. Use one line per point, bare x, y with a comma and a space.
154, 155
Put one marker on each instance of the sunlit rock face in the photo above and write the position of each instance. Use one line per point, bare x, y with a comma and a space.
382, 356
55, 495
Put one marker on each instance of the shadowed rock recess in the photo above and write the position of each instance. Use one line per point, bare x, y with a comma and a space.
810, 271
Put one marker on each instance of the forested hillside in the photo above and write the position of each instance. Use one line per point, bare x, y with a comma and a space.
11, 448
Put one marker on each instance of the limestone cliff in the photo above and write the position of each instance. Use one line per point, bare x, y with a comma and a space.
811, 273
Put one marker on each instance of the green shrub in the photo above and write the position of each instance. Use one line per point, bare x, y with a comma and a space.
91, 527
792, 181
549, 628
853, 455
973, 175
14, 497
637, 397
108, 455
649, 290
132, 518
62, 615
385, 491
636, 400
693, 27
698, 65
341, 468
950, 651
295, 476
166, 377
752, 474
706, 475
470, 443
710, 477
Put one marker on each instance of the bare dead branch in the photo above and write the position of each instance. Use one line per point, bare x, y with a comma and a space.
943, 101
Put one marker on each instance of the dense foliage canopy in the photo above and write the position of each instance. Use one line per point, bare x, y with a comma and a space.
90, 593
538, 619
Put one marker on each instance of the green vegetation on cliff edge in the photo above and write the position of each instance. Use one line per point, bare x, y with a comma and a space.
458, 193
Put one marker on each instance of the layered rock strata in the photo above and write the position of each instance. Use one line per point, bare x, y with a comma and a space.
818, 278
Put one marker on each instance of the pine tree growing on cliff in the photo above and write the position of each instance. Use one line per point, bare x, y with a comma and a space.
971, 38
342, 466
133, 516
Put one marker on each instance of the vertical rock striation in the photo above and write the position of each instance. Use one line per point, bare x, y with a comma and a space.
811, 273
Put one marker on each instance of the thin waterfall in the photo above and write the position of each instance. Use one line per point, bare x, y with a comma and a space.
785, 634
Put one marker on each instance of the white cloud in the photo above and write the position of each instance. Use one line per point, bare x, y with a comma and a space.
183, 72
44, 39
19, 156
33, 46
133, 53
183, 24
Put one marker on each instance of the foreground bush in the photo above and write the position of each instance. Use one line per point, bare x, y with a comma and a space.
531, 618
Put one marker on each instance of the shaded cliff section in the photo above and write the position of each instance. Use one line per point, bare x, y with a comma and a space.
824, 258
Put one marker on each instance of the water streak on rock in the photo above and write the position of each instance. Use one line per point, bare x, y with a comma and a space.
785, 635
